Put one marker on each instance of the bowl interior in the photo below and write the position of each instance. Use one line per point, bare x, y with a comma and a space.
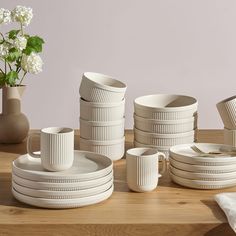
165, 101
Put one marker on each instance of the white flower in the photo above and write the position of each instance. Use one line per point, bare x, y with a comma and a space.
3, 50
23, 15
32, 63
5, 16
20, 42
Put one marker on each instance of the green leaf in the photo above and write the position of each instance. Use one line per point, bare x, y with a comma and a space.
34, 44
13, 33
11, 77
13, 55
2, 79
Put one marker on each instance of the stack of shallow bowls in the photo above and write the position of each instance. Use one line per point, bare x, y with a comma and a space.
227, 111
163, 120
102, 108
203, 165
88, 181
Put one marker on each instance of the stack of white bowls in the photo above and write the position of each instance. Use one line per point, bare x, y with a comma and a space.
227, 111
102, 110
163, 120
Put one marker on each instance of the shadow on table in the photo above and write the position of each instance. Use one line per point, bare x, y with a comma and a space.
221, 230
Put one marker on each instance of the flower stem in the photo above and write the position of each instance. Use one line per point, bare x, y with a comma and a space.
2, 71
21, 29
22, 78
9, 66
5, 65
2, 36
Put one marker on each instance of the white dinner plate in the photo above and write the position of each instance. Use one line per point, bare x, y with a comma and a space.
61, 194
202, 168
185, 154
86, 166
79, 185
201, 184
62, 203
202, 176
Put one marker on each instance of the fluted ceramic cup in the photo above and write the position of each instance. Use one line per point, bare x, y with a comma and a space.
142, 170
57, 148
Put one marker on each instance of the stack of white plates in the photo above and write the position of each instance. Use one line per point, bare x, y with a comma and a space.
203, 171
102, 110
88, 181
163, 120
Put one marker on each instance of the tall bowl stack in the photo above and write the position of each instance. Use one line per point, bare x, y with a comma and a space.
163, 120
102, 110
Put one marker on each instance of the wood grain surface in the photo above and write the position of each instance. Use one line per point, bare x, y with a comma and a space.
169, 210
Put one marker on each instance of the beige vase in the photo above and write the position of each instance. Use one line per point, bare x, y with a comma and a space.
14, 125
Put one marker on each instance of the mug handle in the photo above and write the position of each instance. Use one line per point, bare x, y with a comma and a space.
164, 162
29, 146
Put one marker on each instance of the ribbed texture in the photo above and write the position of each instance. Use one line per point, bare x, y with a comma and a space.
114, 152
164, 128
101, 133
94, 113
152, 114
230, 137
230, 108
57, 151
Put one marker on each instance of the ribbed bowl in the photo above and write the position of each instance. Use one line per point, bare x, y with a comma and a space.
109, 130
165, 106
165, 126
95, 111
230, 137
113, 149
97, 87
163, 139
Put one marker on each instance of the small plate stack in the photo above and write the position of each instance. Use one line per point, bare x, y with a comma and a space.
227, 111
88, 181
163, 120
102, 110
203, 165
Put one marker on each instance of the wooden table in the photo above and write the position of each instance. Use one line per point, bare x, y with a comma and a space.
169, 210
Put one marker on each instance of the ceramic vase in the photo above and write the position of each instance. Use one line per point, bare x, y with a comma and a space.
14, 125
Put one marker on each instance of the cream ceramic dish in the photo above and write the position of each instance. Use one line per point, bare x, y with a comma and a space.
185, 154
86, 166
202, 168
164, 126
165, 106
95, 111
230, 137
62, 194
69, 186
165, 150
163, 139
62, 203
101, 131
114, 149
97, 87
227, 111
201, 184
202, 176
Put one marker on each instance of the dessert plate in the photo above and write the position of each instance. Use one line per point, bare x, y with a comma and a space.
201, 184
62, 203
184, 153
202, 168
79, 185
86, 166
62, 194
202, 176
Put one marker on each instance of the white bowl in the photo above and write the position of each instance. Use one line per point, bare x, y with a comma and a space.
165, 106
164, 126
163, 139
97, 87
95, 111
109, 130
113, 149
230, 137
227, 111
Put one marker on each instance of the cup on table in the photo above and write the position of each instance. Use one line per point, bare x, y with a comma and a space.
142, 168
57, 148
227, 111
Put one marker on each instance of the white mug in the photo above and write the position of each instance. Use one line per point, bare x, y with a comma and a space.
142, 168
57, 148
